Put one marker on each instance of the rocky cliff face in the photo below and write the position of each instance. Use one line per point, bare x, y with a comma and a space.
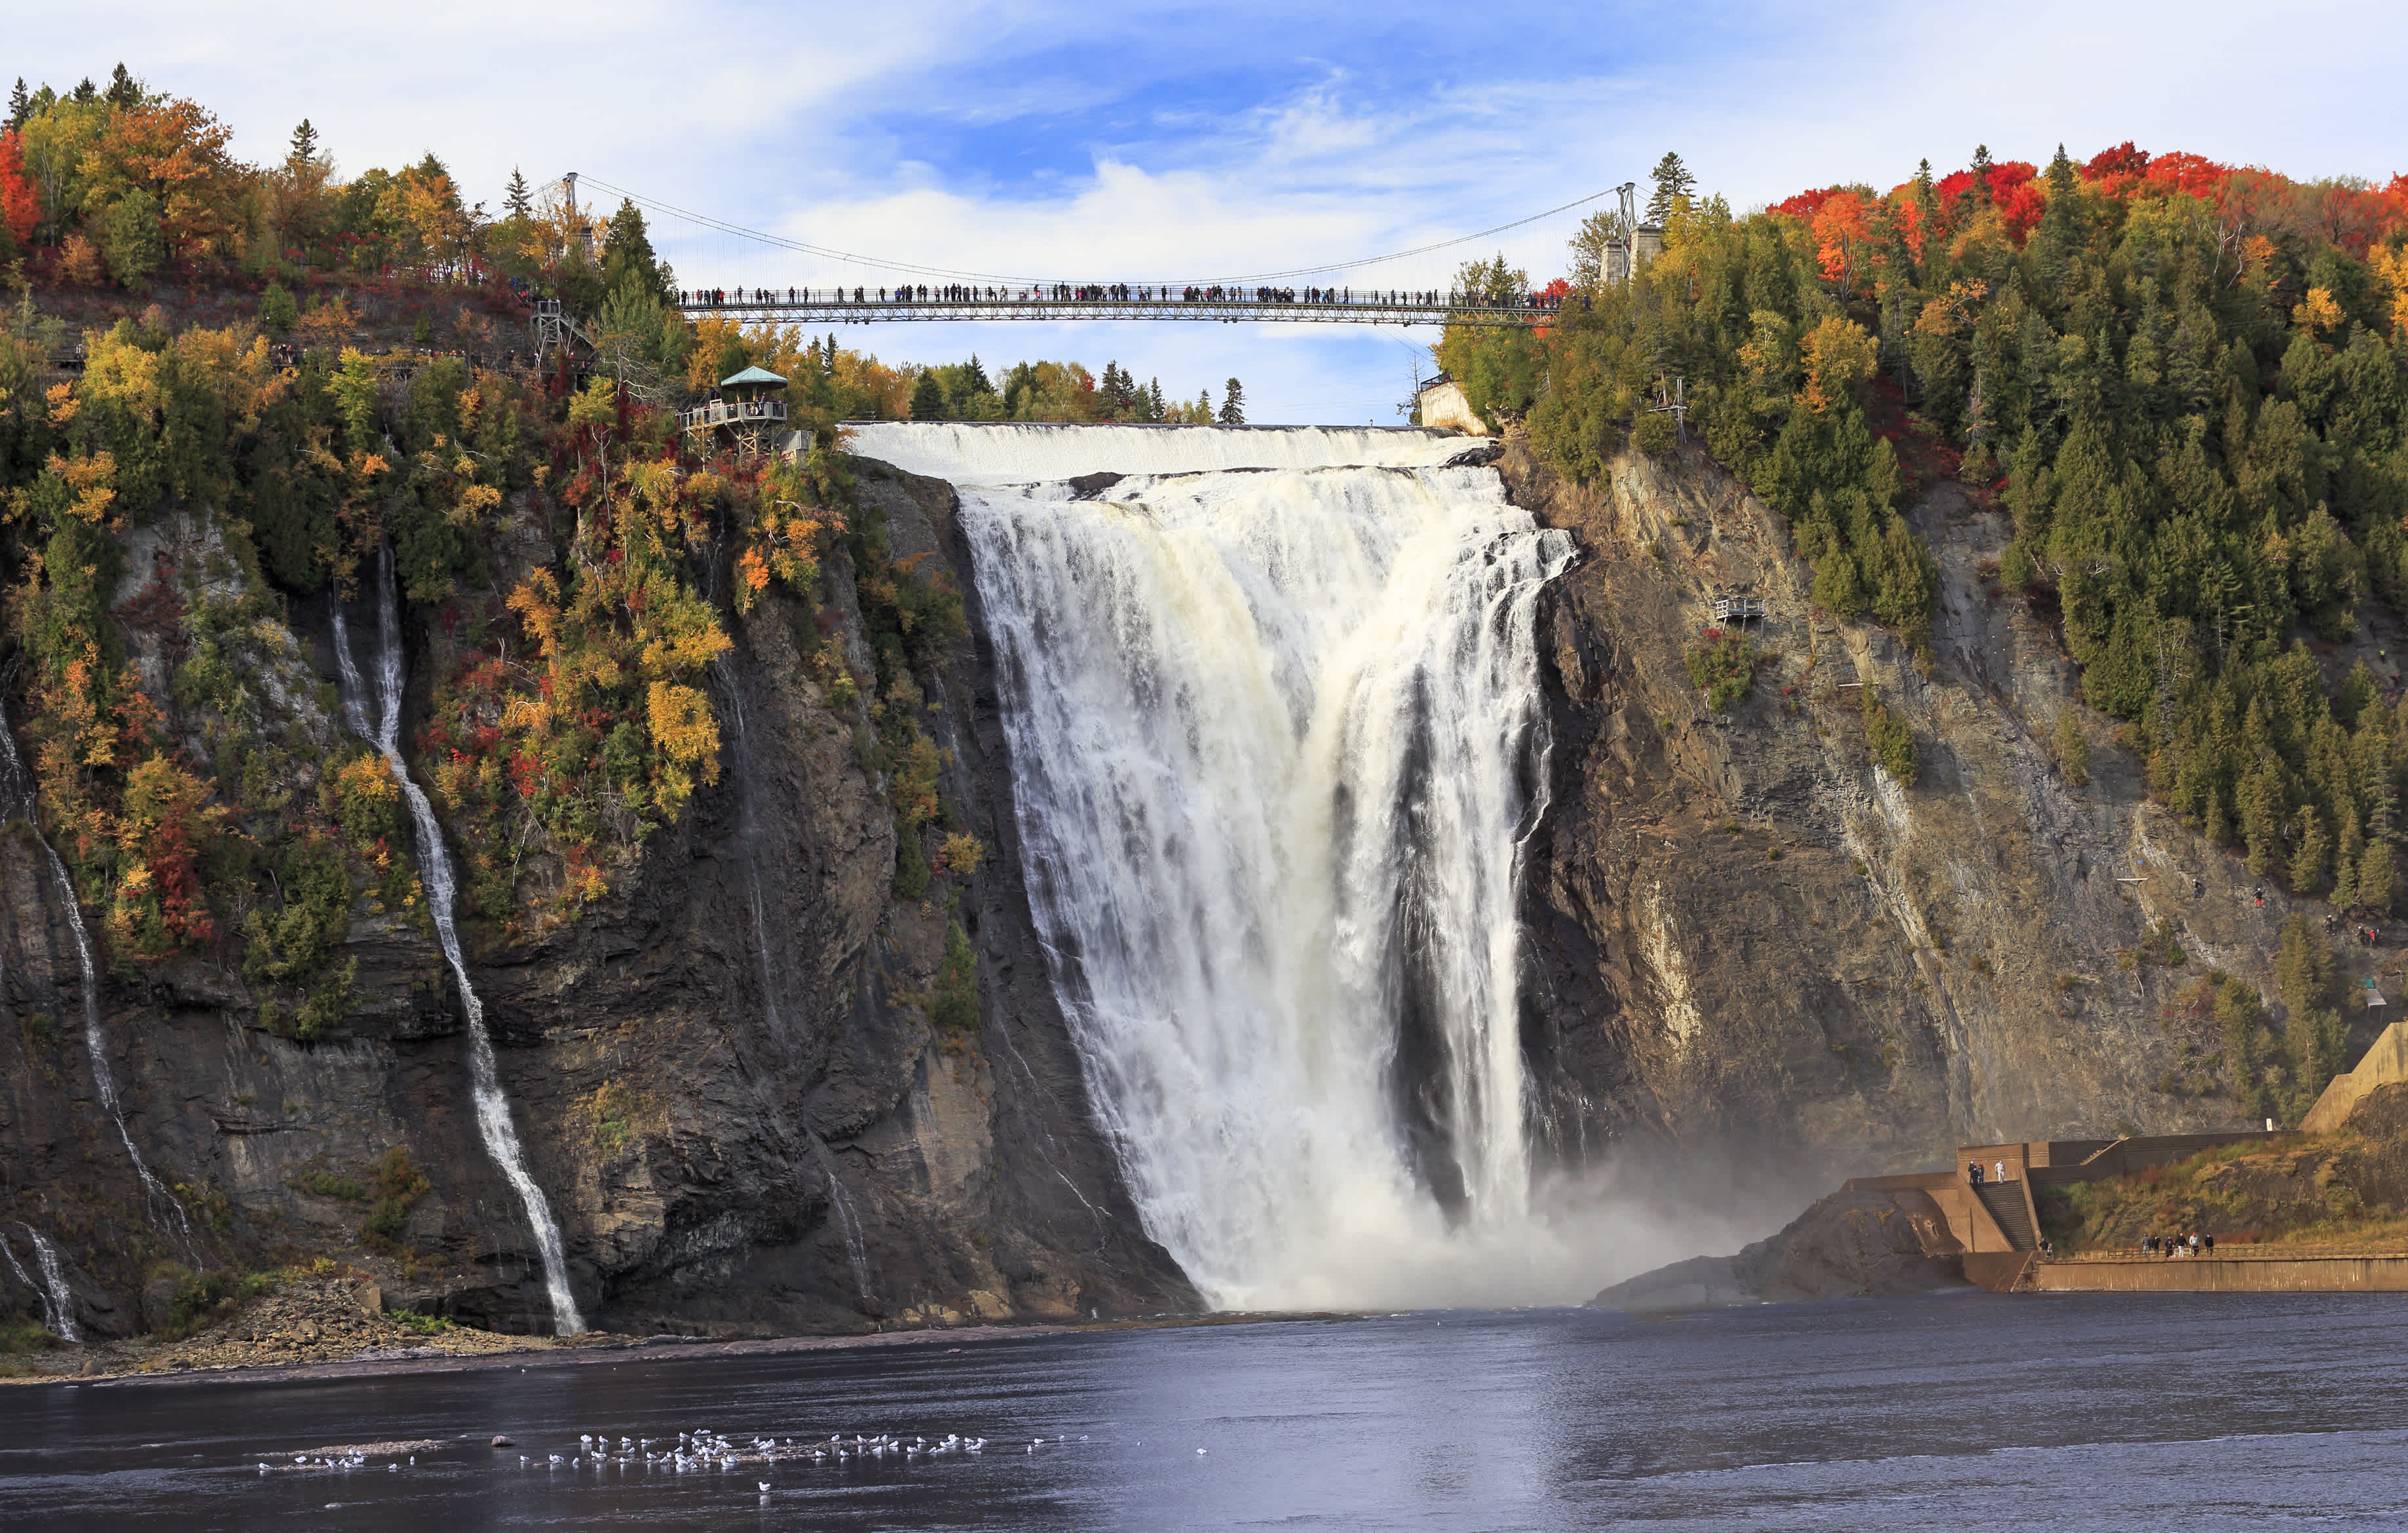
723, 1070
1748, 941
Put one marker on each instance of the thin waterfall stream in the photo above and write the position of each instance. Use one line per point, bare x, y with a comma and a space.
495, 1125
17, 798
1277, 740
58, 1302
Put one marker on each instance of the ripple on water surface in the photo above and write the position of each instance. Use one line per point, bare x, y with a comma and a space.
1967, 1412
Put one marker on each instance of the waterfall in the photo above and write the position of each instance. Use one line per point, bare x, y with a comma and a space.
17, 797
58, 1303
1276, 738
848, 1225
493, 1124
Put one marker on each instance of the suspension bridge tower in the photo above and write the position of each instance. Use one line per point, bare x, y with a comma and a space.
747, 416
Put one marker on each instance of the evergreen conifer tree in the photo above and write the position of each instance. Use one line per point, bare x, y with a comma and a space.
927, 398
305, 145
1672, 182
1233, 405
1980, 189
86, 93
123, 89
516, 199
21, 106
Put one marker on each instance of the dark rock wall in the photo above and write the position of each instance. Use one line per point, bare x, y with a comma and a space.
741, 1119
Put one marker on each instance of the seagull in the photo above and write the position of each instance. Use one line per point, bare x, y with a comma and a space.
764, 1487
1200, 1453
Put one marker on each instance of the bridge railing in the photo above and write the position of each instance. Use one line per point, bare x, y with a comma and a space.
840, 306
730, 413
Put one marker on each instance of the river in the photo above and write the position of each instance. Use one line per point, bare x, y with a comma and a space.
1964, 1412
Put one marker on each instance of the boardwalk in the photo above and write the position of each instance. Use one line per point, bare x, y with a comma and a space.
1287, 306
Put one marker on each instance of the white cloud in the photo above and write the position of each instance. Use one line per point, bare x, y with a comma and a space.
1228, 138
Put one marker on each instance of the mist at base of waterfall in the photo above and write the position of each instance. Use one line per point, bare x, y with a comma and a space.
1276, 738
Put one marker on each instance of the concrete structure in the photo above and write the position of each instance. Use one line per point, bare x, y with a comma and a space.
1445, 407
2385, 1064
1647, 239
2239, 1272
1993, 1221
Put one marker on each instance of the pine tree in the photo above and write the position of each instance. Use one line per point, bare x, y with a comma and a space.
21, 106
2059, 234
927, 398
86, 93
2377, 879
2313, 844
305, 145
1980, 189
516, 199
123, 89
1153, 407
1233, 405
1673, 183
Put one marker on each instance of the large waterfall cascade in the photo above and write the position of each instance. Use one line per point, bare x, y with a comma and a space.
1277, 740
494, 1123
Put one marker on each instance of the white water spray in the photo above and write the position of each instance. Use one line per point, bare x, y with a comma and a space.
494, 1123
1276, 738
17, 797
58, 1303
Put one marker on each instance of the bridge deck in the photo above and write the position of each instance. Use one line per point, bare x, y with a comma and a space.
825, 310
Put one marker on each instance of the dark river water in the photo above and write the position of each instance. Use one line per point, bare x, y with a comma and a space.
1961, 1413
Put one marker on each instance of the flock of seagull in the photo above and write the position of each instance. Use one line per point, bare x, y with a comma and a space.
703, 1449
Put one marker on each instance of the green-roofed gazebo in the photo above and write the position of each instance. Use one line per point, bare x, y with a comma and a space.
746, 414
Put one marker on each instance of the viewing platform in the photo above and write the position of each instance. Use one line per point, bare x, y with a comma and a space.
747, 417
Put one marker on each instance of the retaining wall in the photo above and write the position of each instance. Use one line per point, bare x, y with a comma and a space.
2223, 1275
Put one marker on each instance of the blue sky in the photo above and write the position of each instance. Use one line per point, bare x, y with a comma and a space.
1152, 141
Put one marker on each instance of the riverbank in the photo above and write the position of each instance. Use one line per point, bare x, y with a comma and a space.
321, 1329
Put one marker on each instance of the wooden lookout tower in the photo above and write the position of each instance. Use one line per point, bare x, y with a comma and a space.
746, 414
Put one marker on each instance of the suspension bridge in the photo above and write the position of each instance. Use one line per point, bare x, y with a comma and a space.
845, 288
1119, 301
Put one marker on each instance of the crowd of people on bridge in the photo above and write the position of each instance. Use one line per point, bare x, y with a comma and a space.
1116, 292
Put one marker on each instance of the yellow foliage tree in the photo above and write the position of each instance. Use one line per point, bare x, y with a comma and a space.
1839, 355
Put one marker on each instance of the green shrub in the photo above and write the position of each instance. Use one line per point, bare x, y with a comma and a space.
1890, 741
1723, 670
276, 310
955, 1008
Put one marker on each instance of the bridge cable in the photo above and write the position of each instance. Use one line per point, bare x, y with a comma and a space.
805, 249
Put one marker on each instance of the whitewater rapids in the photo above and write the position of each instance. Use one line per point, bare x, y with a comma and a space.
1276, 738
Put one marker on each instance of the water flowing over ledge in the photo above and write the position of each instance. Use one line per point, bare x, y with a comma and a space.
493, 1124
969, 452
17, 798
1276, 738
